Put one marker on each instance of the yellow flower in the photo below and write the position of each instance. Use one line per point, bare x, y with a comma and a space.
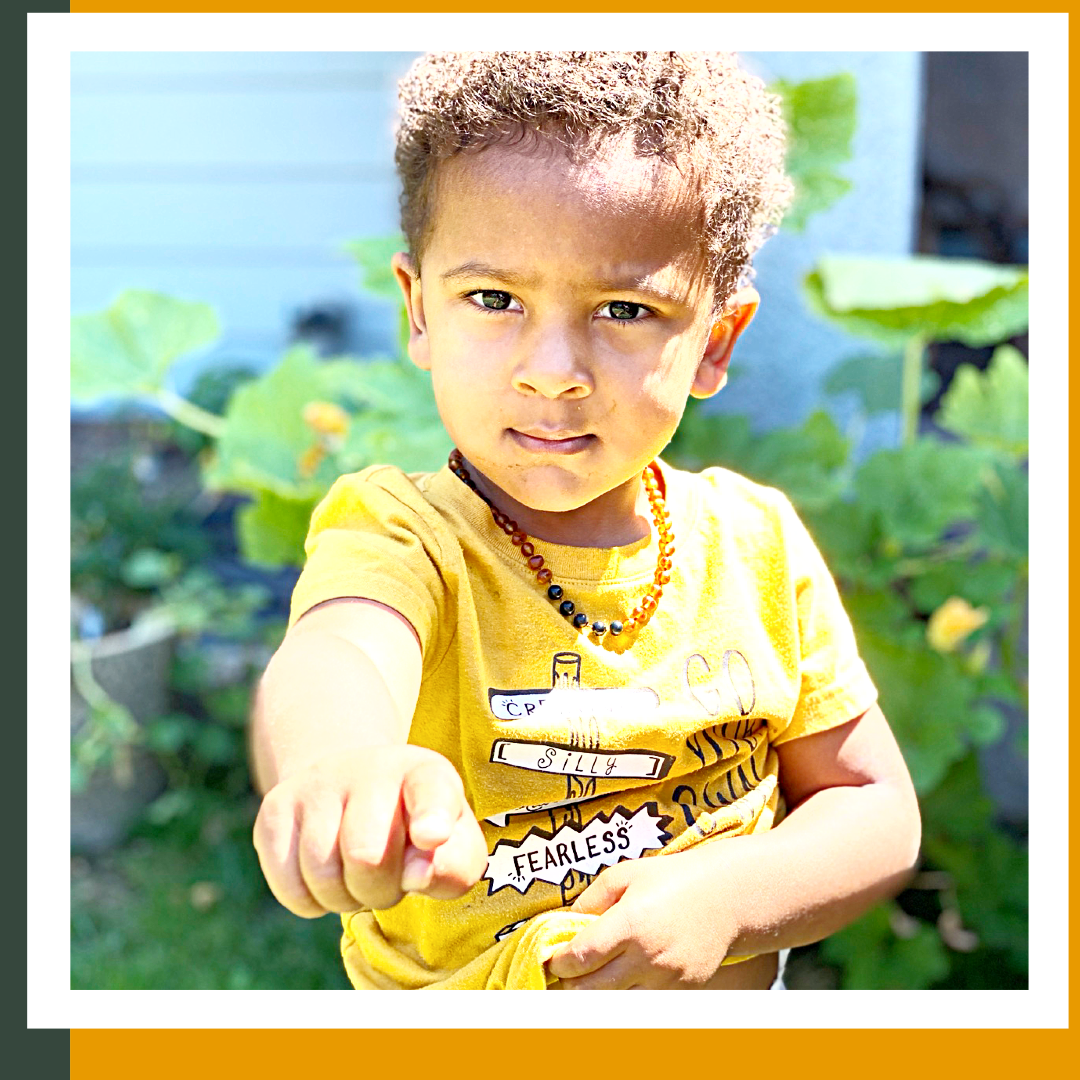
953, 622
326, 418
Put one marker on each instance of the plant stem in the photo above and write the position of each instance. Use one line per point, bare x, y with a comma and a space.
198, 419
910, 381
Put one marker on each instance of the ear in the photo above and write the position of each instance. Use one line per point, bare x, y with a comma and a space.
711, 375
408, 278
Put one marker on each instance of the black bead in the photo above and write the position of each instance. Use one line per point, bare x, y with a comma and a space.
567, 608
580, 619
555, 592
599, 628
615, 627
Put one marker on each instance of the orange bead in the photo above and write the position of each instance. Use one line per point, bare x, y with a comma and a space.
527, 550
518, 537
648, 602
662, 577
544, 575
536, 561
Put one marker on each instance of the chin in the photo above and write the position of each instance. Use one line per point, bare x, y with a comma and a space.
550, 494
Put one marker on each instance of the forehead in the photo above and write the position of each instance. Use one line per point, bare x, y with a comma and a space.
533, 198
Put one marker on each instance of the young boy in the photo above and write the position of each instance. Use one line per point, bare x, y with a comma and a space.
559, 713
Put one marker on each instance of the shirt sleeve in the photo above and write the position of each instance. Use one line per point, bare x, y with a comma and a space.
374, 537
834, 685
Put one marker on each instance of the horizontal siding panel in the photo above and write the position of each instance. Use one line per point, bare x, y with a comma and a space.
86, 67
216, 172
309, 215
250, 128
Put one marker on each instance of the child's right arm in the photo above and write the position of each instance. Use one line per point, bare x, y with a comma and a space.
352, 815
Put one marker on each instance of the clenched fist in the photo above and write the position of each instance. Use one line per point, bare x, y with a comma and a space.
365, 827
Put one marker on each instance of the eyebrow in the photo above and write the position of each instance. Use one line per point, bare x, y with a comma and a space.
639, 285
478, 269
509, 277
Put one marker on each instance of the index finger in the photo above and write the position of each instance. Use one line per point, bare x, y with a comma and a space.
434, 800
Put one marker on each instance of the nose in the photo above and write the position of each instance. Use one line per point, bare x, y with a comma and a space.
553, 362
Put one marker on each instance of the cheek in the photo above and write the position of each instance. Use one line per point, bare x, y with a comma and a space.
466, 391
664, 390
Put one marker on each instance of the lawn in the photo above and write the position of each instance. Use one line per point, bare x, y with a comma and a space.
183, 906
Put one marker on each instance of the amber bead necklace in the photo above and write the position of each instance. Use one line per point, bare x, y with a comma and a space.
646, 606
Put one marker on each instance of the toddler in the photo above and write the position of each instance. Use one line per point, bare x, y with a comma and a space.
558, 714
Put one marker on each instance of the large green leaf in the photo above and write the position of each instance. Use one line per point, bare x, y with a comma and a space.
801, 461
958, 809
272, 530
705, 438
929, 700
990, 408
398, 421
849, 535
894, 299
127, 349
266, 437
373, 257
1003, 511
919, 490
376, 276
820, 117
983, 582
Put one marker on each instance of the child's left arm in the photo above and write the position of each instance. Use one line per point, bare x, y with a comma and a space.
851, 838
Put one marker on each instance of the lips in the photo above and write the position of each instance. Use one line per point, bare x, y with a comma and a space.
550, 441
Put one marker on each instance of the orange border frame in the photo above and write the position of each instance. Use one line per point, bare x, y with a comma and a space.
167, 1053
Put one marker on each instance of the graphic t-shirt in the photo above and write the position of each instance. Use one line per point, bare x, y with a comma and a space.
578, 752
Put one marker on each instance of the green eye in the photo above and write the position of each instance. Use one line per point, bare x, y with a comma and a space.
623, 309
494, 300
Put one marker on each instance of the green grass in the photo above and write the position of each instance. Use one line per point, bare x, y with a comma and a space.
183, 906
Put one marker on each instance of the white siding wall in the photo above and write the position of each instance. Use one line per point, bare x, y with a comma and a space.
233, 178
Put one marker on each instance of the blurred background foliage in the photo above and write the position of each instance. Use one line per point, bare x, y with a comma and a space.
201, 521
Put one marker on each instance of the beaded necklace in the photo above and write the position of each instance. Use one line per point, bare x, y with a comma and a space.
646, 606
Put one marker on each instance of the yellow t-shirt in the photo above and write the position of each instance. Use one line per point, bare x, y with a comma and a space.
577, 753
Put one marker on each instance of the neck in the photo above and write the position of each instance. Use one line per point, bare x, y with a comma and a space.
616, 518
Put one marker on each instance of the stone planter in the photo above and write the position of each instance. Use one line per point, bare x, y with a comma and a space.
132, 667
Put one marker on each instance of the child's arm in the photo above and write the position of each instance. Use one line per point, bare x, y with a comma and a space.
850, 839
352, 815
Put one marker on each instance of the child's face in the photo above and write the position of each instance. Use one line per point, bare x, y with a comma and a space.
565, 318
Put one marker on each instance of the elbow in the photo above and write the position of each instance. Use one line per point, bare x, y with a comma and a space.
907, 833
915, 835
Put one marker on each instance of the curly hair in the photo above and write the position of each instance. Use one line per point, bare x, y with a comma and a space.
690, 109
